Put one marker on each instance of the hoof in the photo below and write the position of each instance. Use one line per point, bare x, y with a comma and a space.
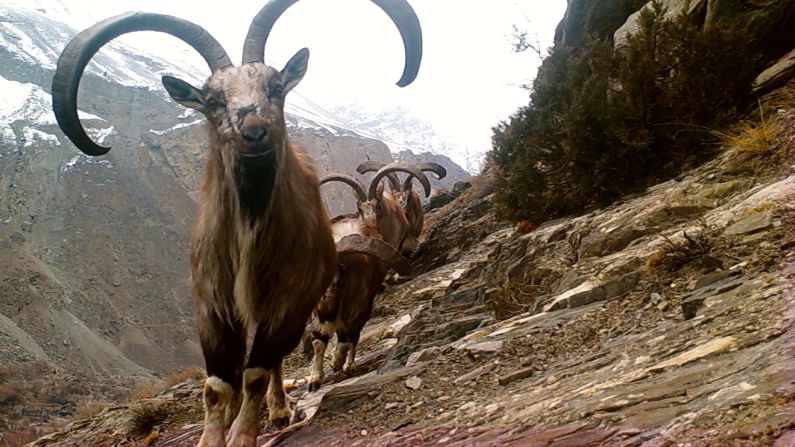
212, 438
299, 415
281, 422
313, 386
242, 436
242, 441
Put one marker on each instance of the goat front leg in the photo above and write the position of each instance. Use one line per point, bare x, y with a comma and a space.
223, 344
246, 426
263, 372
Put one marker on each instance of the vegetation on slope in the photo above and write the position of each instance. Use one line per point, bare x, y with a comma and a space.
603, 122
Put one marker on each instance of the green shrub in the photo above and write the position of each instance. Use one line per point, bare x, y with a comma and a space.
603, 123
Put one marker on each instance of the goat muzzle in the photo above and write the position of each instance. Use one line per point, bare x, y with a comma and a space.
256, 138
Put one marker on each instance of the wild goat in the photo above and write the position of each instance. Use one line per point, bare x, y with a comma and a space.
262, 251
347, 304
381, 209
408, 198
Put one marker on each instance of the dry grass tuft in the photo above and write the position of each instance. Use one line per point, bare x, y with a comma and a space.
189, 373
10, 394
151, 387
691, 248
19, 438
89, 408
146, 416
513, 299
148, 388
752, 136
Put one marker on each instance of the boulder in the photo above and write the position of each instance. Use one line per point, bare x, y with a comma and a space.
593, 18
775, 75
694, 10
768, 21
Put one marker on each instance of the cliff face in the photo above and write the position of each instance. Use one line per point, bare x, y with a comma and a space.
599, 18
615, 19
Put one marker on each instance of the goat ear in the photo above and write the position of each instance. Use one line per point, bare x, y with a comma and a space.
295, 69
184, 93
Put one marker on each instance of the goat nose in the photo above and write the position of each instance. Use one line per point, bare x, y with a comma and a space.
254, 134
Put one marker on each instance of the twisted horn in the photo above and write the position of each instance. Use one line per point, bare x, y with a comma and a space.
357, 186
398, 167
399, 11
360, 244
83, 46
373, 166
436, 168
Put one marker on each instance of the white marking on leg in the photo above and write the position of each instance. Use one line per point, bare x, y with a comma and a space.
217, 396
316, 376
246, 426
350, 360
340, 355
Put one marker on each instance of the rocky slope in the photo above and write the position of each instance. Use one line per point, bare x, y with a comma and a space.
664, 319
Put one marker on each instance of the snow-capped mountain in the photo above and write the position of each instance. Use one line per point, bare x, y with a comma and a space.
402, 130
36, 30
34, 37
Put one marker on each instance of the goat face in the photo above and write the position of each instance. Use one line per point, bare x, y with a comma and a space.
406, 197
377, 208
245, 105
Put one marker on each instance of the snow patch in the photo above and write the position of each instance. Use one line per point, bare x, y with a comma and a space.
30, 103
22, 45
187, 114
84, 160
31, 136
178, 126
99, 135
296, 122
71, 164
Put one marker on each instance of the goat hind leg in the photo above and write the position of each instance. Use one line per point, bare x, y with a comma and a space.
344, 347
321, 334
278, 404
350, 352
319, 343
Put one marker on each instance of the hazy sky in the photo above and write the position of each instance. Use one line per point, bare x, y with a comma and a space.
468, 81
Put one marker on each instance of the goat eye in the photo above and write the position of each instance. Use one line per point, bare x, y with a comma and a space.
276, 90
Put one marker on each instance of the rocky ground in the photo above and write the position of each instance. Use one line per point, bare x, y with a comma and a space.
664, 319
